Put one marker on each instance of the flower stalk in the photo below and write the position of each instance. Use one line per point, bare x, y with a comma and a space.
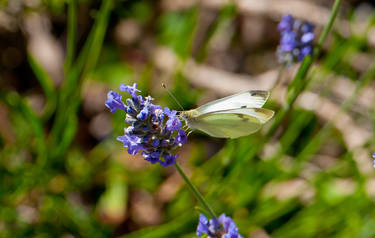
195, 191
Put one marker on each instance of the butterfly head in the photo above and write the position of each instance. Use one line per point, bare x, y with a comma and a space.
188, 116
185, 115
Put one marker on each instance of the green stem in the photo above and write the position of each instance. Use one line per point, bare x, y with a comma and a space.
71, 36
327, 28
197, 194
47, 86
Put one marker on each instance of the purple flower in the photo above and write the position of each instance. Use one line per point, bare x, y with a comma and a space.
307, 37
151, 157
169, 159
307, 50
307, 27
212, 228
232, 232
173, 122
131, 142
203, 225
226, 221
155, 132
296, 40
114, 102
132, 90
143, 114
286, 23
288, 41
181, 137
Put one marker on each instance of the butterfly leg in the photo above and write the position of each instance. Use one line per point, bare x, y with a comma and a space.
189, 133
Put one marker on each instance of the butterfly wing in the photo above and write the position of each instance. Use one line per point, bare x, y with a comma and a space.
232, 123
249, 99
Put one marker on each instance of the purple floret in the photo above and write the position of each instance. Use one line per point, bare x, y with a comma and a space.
223, 227
173, 122
114, 102
132, 90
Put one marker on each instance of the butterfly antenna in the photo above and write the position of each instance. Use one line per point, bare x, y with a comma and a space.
174, 98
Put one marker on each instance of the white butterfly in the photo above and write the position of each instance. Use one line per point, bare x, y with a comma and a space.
230, 117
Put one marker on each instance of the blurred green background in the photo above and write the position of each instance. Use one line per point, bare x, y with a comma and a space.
63, 174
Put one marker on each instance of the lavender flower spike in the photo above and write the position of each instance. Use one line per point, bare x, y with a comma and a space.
296, 40
153, 131
212, 228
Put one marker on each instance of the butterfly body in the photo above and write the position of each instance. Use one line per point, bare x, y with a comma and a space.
230, 117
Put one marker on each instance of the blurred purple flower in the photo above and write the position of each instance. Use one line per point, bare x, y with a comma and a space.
212, 228
153, 131
296, 40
